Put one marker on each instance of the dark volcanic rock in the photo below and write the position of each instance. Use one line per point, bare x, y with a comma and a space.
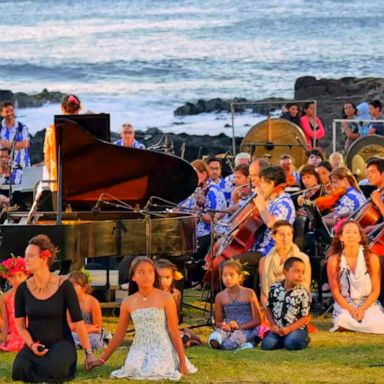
31, 101
331, 94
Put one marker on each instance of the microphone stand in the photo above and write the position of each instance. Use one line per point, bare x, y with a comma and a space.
11, 168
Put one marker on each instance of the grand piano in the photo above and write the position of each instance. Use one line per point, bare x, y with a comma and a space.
110, 190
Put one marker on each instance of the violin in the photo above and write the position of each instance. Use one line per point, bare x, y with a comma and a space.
289, 178
329, 201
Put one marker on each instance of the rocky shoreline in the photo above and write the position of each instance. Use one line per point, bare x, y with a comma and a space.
330, 94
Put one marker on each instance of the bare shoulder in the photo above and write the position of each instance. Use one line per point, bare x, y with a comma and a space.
248, 292
220, 296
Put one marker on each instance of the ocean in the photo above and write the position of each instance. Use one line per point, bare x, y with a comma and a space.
140, 59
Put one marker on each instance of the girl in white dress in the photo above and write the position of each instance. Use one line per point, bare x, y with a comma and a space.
157, 351
354, 279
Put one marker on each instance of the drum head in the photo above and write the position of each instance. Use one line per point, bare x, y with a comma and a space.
361, 150
271, 138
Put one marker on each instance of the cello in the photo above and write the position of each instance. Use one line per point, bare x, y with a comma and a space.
246, 227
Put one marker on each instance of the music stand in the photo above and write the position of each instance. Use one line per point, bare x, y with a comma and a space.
322, 238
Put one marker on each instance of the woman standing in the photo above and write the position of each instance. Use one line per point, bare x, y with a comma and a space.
41, 305
313, 127
354, 279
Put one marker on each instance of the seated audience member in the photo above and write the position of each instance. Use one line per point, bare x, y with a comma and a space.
336, 160
271, 266
375, 107
351, 200
127, 135
287, 162
91, 311
287, 309
351, 129
315, 157
237, 312
313, 127
354, 279
168, 273
324, 170
15, 271
292, 113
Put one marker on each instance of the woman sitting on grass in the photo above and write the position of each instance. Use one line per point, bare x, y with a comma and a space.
288, 309
90, 309
354, 279
157, 351
237, 312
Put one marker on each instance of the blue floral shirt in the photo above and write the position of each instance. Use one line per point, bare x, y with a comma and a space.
20, 132
136, 144
214, 199
282, 208
351, 201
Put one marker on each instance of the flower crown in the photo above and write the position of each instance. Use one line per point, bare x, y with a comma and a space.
11, 266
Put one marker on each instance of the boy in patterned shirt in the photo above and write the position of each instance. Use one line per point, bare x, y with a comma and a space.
288, 309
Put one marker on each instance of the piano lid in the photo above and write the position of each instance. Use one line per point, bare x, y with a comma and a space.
91, 166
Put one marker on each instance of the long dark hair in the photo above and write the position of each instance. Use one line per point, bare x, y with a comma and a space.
337, 245
133, 287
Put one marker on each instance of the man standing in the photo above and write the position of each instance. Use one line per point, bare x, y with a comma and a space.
127, 135
15, 138
375, 107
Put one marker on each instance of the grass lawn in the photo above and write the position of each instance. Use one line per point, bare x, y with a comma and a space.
330, 358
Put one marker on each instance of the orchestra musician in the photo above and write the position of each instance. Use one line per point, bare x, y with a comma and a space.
70, 105
324, 170
273, 204
375, 175
313, 187
207, 196
351, 200
287, 162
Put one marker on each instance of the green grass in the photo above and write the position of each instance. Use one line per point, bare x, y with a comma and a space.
330, 358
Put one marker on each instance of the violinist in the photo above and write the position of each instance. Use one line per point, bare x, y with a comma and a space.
287, 162
312, 184
352, 200
242, 183
324, 170
207, 196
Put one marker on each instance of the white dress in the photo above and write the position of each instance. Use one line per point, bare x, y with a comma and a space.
152, 355
355, 287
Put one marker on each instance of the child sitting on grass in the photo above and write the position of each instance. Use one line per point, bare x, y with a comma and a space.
237, 312
168, 273
14, 270
91, 311
287, 309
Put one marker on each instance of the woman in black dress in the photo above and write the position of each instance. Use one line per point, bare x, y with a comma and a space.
41, 305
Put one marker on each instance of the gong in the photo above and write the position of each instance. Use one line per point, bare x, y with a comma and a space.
272, 138
361, 150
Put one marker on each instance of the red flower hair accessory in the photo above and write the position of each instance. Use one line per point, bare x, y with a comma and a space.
46, 254
9, 267
73, 99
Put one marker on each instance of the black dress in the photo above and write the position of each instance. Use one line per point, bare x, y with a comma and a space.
47, 323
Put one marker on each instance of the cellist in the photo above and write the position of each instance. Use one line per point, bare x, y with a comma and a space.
375, 175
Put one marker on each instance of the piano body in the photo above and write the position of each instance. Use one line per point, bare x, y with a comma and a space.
95, 172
